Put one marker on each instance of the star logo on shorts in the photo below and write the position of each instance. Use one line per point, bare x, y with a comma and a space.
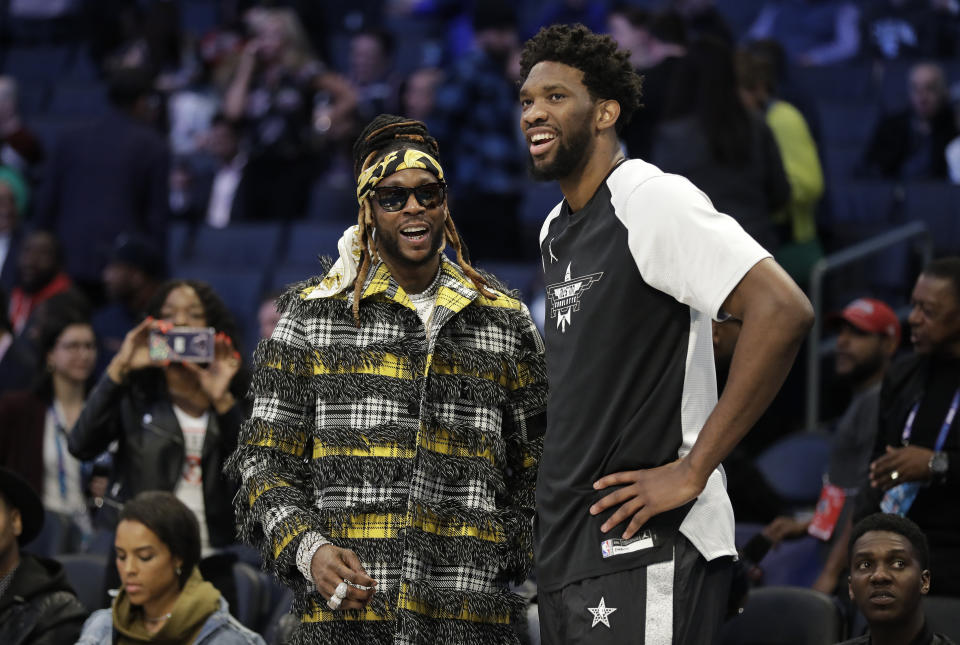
601, 613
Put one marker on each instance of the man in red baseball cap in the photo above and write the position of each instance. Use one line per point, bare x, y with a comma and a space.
868, 337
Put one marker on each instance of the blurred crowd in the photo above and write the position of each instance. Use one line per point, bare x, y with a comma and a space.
124, 121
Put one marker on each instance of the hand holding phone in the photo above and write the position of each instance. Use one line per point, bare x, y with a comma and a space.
182, 344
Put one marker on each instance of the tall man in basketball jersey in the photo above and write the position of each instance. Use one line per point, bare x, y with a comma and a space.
634, 538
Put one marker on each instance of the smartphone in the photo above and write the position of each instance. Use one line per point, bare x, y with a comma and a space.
183, 344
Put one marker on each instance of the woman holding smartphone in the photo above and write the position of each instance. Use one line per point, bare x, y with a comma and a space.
175, 423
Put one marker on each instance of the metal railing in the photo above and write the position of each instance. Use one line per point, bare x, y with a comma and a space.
831, 263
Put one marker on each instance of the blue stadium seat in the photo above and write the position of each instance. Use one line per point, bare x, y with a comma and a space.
179, 243
199, 16
943, 615
785, 616
78, 100
861, 209
33, 97
55, 537
307, 241
278, 626
538, 200
936, 204
239, 288
288, 274
45, 62
847, 122
516, 275
332, 204
840, 162
843, 81
253, 595
794, 466
239, 245
49, 128
86, 572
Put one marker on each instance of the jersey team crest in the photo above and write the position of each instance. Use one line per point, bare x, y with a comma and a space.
565, 296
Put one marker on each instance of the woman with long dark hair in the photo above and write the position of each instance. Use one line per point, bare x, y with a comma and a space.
35, 424
708, 136
163, 598
174, 423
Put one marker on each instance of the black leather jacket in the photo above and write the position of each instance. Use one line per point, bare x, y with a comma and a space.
151, 452
39, 607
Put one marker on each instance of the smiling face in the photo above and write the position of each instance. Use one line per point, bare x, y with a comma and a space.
412, 236
147, 568
886, 580
935, 317
557, 120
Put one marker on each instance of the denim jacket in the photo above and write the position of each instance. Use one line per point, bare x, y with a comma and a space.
220, 629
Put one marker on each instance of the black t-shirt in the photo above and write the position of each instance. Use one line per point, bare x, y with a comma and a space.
633, 280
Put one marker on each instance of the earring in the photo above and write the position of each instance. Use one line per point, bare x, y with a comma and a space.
178, 570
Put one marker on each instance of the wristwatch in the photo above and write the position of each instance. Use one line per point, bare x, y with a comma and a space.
939, 465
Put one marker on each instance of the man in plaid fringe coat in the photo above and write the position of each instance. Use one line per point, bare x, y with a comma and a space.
389, 464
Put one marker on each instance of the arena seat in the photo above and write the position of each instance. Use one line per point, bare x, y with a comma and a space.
54, 538
794, 466
936, 204
245, 245
306, 241
847, 122
516, 275
253, 595
280, 624
85, 572
943, 615
785, 616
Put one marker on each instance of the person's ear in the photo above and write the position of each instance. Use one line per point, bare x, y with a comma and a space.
925, 581
16, 521
608, 112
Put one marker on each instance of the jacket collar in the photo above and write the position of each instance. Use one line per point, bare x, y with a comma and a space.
455, 290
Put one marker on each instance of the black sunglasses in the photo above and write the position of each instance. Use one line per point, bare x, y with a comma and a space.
394, 198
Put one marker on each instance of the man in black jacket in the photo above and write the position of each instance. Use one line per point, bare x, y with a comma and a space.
915, 468
37, 604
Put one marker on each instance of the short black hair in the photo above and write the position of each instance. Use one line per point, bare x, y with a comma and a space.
894, 524
172, 521
607, 72
947, 268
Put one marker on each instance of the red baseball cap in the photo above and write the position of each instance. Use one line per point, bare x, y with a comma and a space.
873, 316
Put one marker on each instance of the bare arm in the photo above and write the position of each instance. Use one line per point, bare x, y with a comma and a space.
235, 100
776, 316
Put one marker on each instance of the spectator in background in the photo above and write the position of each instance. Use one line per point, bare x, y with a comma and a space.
35, 424
14, 199
592, 13
41, 276
131, 278
915, 470
268, 315
275, 88
418, 93
911, 144
661, 56
629, 27
895, 29
473, 120
708, 136
797, 220
164, 598
19, 147
812, 32
890, 573
37, 604
193, 412
226, 200
868, 338
371, 58
17, 363
108, 178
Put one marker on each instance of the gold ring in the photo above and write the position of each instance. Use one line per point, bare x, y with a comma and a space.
894, 475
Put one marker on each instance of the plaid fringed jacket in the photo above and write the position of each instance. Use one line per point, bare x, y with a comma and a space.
418, 455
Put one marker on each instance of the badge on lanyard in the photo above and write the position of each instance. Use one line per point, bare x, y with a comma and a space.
828, 510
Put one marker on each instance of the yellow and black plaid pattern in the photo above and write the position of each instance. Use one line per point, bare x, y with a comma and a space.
406, 450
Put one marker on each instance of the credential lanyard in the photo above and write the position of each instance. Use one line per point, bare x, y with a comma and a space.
944, 429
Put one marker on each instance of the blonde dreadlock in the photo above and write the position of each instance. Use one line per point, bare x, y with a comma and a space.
384, 134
